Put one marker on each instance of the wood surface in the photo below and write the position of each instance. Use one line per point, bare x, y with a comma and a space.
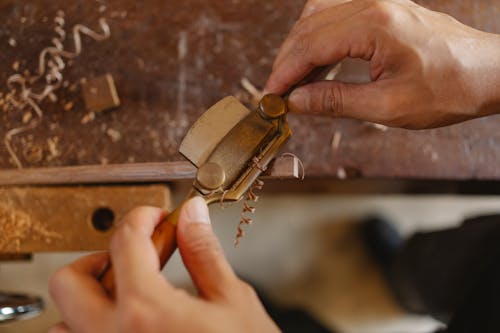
171, 60
53, 219
285, 167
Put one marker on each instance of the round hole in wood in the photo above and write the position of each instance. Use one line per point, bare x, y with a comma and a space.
102, 219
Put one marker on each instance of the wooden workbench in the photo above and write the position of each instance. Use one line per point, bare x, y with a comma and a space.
173, 59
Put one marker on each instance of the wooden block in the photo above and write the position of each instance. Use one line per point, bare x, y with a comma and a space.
53, 219
100, 94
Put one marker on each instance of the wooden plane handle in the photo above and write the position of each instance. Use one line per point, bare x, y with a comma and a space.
164, 240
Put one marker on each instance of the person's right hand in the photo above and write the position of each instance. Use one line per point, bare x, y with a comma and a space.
427, 69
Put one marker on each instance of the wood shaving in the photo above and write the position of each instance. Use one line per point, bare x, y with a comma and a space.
68, 106
379, 127
337, 137
27, 116
251, 198
29, 91
118, 14
341, 174
255, 94
52, 146
332, 74
114, 134
16, 65
88, 118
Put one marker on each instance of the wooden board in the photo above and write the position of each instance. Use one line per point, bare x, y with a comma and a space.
284, 167
41, 219
171, 60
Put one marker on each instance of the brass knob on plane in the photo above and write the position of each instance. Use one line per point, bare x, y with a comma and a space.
272, 106
211, 176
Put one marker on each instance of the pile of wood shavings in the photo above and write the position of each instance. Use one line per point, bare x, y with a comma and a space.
27, 91
17, 226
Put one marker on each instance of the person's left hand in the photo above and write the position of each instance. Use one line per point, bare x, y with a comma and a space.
145, 301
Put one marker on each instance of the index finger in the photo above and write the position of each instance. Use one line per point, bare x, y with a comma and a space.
133, 254
77, 293
329, 37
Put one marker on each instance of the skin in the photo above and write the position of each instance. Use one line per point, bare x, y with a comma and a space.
427, 70
145, 301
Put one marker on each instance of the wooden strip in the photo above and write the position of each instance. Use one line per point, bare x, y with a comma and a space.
41, 219
283, 167
15, 256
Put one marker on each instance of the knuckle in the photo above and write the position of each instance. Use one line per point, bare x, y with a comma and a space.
302, 45
135, 317
242, 291
133, 217
332, 100
381, 12
57, 281
391, 111
246, 289
311, 6
118, 239
302, 26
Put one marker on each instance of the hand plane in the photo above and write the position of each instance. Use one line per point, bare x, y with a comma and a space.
230, 146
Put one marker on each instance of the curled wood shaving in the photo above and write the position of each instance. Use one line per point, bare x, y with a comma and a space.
248, 209
28, 91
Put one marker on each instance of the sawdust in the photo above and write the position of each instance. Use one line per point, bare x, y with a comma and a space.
88, 118
32, 153
16, 65
53, 148
18, 227
113, 134
68, 106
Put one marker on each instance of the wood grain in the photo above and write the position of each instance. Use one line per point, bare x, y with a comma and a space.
42, 219
286, 167
171, 60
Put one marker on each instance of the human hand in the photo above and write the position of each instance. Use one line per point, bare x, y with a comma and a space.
427, 69
145, 301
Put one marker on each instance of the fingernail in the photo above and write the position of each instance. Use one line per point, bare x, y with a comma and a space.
296, 100
196, 211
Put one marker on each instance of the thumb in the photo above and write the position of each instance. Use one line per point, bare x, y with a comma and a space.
338, 99
201, 251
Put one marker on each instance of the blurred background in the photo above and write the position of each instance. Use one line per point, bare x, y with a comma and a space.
303, 251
